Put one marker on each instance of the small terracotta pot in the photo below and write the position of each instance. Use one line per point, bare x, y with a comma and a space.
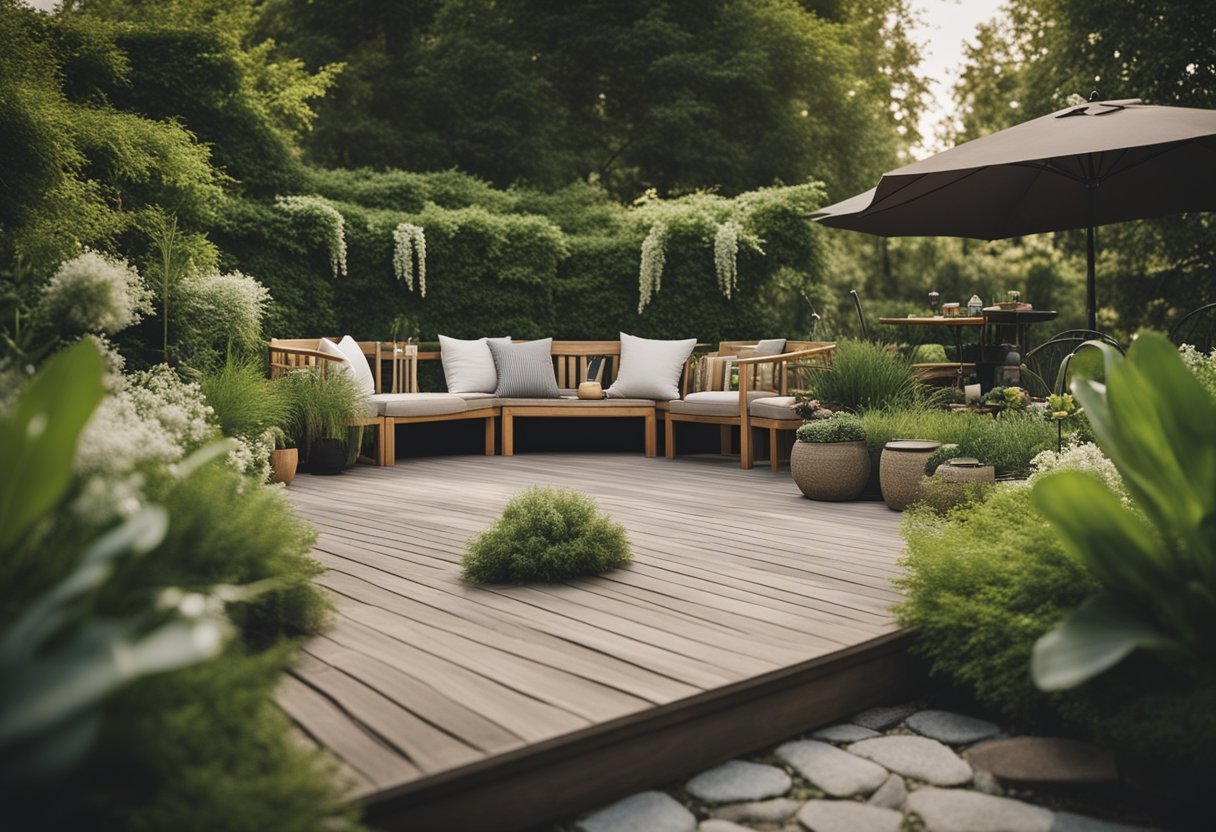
283, 465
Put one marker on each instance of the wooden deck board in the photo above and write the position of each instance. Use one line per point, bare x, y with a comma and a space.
425, 685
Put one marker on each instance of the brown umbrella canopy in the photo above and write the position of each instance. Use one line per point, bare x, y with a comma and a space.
1097, 163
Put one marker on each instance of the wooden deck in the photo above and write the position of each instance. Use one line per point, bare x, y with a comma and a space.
749, 614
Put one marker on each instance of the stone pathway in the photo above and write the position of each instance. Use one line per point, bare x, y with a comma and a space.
891, 769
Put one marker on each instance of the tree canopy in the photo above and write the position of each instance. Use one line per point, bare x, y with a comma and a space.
1042, 52
676, 96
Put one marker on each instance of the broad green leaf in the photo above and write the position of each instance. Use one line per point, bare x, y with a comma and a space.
1158, 425
1093, 638
137, 535
1111, 540
38, 437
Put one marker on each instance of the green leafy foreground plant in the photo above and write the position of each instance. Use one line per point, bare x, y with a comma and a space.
547, 534
1156, 559
841, 427
140, 659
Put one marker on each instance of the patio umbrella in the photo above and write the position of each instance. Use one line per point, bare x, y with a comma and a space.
1084, 166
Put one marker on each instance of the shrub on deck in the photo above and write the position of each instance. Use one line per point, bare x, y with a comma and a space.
547, 534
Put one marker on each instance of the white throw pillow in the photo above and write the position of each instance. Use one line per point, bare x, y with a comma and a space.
358, 362
771, 346
468, 366
650, 369
354, 362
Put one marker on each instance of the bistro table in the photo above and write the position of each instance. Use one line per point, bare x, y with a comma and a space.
996, 320
956, 325
1014, 322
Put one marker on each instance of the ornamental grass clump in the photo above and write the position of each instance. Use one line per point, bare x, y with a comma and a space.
866, 376
547, 534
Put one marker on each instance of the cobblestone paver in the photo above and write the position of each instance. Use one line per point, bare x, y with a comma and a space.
884, 770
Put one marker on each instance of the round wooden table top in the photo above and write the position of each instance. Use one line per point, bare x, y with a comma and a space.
934, 320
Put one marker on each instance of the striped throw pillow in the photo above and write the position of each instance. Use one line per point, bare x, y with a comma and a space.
525, 371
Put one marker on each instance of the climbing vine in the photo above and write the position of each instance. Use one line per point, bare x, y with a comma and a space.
409, 255
330, 219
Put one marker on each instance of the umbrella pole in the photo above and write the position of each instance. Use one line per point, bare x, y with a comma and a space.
1090, 291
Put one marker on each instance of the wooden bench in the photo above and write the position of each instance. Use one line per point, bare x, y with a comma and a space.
571, 363
396, 365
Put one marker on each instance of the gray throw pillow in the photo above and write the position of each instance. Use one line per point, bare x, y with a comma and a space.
525, 371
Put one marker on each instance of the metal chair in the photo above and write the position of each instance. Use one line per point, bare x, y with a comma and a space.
1055, 359
1197, 328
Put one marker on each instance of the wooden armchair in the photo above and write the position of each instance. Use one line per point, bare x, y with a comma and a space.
762, 378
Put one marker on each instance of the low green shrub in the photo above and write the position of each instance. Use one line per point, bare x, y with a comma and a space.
929, 354
1008, 443
980, 588
547, 534
841, 427
941, 497
866, 376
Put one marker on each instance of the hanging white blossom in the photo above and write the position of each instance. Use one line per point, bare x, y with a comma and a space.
726, 252
329, 217
654, 256
409, 255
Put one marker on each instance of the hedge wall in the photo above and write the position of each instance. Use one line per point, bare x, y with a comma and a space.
520, 263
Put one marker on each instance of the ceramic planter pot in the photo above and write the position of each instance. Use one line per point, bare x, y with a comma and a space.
833, 471
901, 470
327, 456
283, 465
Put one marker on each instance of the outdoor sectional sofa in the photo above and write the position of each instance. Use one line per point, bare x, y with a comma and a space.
571, 363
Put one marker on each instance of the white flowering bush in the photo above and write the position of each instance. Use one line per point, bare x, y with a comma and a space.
726, 257
654, 257
1202, 366
328, 217
148, 425
409, 255
251, 456
94, 293
1078, 456
216, 314
115, 363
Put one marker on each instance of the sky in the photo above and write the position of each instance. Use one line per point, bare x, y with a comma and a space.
945, 26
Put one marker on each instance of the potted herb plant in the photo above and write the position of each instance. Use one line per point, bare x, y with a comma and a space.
830, 461
284, 459
322, 408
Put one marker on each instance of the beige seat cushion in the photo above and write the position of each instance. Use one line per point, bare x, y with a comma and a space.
773, 407
477, 399
573, 401
714, 402
418, 404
